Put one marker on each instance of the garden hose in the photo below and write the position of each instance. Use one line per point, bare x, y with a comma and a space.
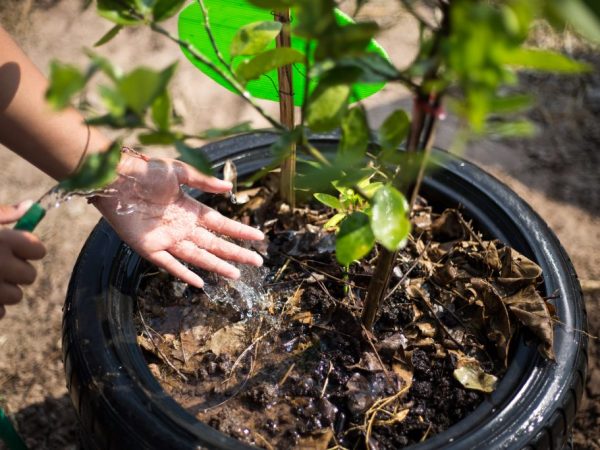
31, 218
8, 433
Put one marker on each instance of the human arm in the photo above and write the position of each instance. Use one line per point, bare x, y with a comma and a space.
56, 142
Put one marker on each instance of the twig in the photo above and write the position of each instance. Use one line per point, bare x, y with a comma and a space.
238, 88
326, 379
211, 36
286, 374
407, 273
161, 354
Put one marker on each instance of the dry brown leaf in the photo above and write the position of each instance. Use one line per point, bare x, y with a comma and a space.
496, 316
227, 340
532, 311
449, 226
404, 372
517, 271
304, 317
427, 329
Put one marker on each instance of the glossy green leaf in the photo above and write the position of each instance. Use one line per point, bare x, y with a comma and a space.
97, 171
109, 35
355, 134
389, 218
544, 60
65, 81
194, 157
161, 111
327, 106
329, 200
254, 37
334, 221
141, 87
394, 130
354, 239
122, 12
164, 9
262, 63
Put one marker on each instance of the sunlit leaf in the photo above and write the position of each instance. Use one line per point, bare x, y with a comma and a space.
327, 106
389, 218
469, 373
334, 221
329, 200
355, 134
394, 130
254, 37
194, 157
161, 111
112, 101
584, 16
262, 63
355, 238
273, 4
544, 60
65, 81
142, 86
163, 9
122, 12
96, 171
109, 35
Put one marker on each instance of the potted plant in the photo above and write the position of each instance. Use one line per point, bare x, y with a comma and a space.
468, 56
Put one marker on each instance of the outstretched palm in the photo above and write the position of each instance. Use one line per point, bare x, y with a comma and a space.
157, 219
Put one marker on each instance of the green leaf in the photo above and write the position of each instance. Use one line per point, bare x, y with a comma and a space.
110, 34
161, 111
329, 200
158, 138
122, 12
355, 134
327, 105
333, 222
367, 68
516, 128
544, 60
194, 157
254, 37
389, 218
163, 9
355, 238
65, 81
273, 4
583, 16
349, 39
103, 64
142, 86
394, 130
97, 171
214, 133
510, 103
265, 62
112, 101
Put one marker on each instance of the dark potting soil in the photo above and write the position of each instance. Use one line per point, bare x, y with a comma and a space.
279, 358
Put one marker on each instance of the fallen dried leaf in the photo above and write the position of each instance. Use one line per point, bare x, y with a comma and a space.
469, 373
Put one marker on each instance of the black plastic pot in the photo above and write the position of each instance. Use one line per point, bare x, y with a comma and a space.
121, 405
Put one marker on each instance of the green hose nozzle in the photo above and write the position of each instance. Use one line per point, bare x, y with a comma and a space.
32, 217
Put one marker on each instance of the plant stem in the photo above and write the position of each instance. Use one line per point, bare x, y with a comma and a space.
211, 36
237, 86
286, 111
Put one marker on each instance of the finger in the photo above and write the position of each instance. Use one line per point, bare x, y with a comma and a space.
191, 253
224, 249
166, 261
10, 294
186, 174
12, 213
24, 245
215, 221
16, 271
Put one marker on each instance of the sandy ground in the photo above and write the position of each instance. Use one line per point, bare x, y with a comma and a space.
557, 173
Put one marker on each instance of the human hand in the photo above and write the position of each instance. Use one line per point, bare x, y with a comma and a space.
160, 222
16, 249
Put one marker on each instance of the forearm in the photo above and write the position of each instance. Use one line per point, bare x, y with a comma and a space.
55, 142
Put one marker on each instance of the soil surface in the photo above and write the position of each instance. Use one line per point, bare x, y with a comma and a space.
556, 173
279, 358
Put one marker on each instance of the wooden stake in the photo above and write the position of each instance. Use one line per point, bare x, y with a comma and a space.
286, 112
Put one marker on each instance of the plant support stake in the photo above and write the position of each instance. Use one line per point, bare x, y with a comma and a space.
286, 111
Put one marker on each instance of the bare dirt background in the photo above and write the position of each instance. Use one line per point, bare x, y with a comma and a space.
558, 173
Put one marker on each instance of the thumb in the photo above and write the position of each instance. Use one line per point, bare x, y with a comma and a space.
12, 213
